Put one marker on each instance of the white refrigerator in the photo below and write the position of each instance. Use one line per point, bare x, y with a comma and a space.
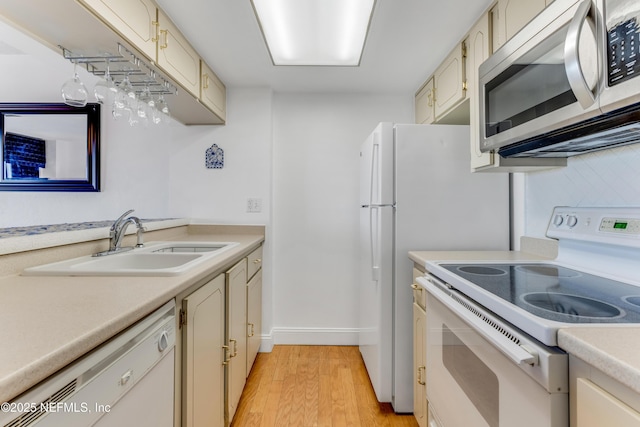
416, 193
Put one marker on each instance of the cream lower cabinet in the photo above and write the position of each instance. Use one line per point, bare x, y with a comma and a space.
598, 400
420, 404
204, 355
597, 408
236, 376
419, 365
254, 318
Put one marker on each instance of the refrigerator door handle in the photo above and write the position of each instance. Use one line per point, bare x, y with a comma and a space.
374, 241
373, 179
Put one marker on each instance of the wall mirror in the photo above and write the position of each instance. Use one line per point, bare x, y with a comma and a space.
50, 147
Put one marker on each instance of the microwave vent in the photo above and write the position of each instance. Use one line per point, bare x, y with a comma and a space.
623, 135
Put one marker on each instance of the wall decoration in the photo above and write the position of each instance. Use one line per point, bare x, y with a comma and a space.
214, 158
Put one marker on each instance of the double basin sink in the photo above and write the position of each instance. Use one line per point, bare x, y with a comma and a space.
154, 259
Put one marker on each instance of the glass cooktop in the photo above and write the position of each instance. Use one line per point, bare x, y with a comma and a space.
556, 293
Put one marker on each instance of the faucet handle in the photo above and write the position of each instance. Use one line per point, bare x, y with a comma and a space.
123, 216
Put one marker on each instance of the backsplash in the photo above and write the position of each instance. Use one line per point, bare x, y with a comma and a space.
56, 228
604, 178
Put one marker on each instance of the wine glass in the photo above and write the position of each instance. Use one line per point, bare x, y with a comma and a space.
105, 87
162, 106
74, 92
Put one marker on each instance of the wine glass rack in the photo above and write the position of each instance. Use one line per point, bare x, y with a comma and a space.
123, 63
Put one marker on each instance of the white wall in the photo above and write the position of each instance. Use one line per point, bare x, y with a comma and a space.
220, 195
316, 149
135, 161
603, 178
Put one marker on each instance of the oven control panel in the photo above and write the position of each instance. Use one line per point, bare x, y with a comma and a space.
617, 226
620, 225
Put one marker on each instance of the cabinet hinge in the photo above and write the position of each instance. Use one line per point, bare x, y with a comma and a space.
182, 319
464, 50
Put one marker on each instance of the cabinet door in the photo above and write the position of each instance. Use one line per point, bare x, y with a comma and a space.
425, 113
134, 19
449, 82
513, 15
596, 408
204, 355
254, 262
478, 50
419, 364
254, 318
213, 93
236, 279
177, 57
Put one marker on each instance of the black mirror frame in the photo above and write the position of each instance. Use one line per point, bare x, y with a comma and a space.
92, 184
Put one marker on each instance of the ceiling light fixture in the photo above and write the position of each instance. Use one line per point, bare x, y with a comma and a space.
314, 32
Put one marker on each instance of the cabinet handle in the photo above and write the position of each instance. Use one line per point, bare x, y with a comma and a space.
154, 29
250, 334
416, 287
166, 39
235, 347
257, 261
420, 371
225, 348
205, 81
430, 99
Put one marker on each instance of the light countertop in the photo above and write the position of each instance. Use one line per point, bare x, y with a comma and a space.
615, 350
48, 322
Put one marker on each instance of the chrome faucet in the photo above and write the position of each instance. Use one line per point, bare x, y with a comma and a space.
117, 232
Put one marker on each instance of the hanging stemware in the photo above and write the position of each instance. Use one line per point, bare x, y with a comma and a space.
106, 87
74, 92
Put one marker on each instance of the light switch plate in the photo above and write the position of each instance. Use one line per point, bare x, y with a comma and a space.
254, 205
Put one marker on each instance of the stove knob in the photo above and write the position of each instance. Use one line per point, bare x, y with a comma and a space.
558, 220
572, 220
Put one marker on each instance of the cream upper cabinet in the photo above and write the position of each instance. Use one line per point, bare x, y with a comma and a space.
176, 56
236, 281
425, 112
509, 16
204, 355
478, 50
596, 407
449, 82
419, 365
135, 20
444, 91
212, 91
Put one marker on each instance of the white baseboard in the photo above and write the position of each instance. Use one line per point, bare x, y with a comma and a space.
308, 336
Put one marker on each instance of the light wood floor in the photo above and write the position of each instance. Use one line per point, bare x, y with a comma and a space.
302, 386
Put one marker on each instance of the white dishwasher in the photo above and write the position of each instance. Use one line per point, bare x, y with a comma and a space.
128, 381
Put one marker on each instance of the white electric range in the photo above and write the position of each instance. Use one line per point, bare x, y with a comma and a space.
492, 324
594, 279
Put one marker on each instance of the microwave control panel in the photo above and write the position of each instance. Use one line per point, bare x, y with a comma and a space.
623, 41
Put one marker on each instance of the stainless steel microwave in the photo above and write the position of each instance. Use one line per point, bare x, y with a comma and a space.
566, 83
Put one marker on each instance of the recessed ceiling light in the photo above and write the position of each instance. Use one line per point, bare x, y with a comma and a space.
314, 32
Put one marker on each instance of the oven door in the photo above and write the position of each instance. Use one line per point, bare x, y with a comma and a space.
470, 382
546, 77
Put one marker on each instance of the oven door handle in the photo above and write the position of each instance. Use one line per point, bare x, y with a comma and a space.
517, 353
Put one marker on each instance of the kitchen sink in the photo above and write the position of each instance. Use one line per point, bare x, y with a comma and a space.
154, 259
